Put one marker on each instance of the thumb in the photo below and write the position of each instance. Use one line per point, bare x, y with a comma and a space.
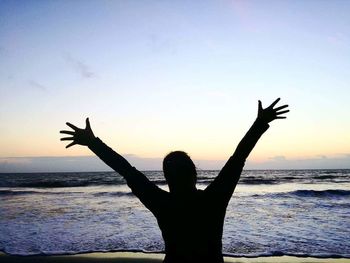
260, 106
88, 124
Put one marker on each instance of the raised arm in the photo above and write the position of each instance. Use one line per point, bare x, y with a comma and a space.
225, 183
261, 124
144, 189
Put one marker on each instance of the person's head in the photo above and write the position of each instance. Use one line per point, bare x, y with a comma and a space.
179, 172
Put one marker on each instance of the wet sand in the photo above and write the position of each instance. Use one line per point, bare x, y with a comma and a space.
133, 257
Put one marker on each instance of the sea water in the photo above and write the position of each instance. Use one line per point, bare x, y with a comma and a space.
272, 212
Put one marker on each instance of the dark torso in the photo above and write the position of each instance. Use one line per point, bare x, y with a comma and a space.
191, 227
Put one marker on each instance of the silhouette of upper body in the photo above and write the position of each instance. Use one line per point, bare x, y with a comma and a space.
191, 220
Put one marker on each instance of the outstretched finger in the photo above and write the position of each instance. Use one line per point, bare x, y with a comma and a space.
281, 117
260, 105
67, 139
72, 126
274, 103
282, 112
281, 107
67, 132
71, 144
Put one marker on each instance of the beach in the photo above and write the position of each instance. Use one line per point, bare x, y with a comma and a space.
129, 257
272, 213
134, 131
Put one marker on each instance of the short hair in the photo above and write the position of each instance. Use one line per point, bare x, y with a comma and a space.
179, 161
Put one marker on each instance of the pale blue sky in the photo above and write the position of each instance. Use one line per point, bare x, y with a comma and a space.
155, 76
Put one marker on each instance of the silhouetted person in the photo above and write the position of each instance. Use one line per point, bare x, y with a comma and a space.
191, 220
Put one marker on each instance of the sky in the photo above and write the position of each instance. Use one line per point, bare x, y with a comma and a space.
157, 76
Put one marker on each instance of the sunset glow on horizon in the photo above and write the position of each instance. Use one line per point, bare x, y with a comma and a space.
157, 76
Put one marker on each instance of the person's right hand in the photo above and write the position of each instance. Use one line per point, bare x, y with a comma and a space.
79, 136
270, 113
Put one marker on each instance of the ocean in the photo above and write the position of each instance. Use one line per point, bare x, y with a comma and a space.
272, 212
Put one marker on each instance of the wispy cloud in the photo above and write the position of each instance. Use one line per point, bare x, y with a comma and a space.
36, 85
244, 13
70, 164
278, 158
338, 39
317, 162
14, 160
79, 66
162, 45
93, 164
